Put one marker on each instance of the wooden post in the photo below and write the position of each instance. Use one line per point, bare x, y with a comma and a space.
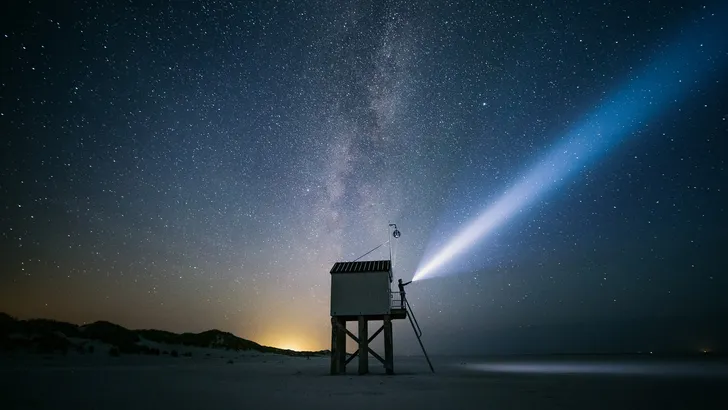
334, 345
388, 345
363, 346
341, 344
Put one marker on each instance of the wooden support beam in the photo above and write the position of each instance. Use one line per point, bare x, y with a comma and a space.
339, 334
372, 337
352, 357
351, 335
334, 345
363, 345
341, 344
388, 345
378, 357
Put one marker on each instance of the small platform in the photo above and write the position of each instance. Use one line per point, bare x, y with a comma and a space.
399, 314
395, 314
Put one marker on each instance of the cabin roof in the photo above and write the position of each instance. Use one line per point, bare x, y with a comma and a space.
361, 266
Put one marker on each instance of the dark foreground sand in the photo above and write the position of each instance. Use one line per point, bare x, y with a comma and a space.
273, 382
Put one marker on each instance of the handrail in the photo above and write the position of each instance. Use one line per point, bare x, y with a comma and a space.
413, 319
418, 332
401, 302
395, 301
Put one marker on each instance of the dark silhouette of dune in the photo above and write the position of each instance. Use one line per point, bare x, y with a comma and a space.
109, 333
47, 336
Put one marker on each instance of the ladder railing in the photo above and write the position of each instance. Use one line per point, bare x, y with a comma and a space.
413, 319
418, 331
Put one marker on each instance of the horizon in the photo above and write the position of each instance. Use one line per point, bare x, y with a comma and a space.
650, 347
188, 166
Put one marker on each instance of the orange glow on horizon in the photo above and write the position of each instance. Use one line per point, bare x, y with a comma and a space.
290, 341
290, 346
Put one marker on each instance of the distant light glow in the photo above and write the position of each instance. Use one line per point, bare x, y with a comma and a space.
289, 346
293, 345
288, 339
695, 369
673, 72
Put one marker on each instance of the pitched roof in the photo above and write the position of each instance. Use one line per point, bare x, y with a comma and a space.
362, 266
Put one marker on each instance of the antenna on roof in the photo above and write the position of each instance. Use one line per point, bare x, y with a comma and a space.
375, 248
395, 234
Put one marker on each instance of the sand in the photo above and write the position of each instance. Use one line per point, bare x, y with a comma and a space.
260, 381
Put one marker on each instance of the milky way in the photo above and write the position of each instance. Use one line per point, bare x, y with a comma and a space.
196, 165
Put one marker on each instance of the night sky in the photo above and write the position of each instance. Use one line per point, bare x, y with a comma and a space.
188, 165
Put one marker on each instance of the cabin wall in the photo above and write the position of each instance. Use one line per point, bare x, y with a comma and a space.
361, 293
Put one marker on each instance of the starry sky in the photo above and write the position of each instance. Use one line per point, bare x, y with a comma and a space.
187, 165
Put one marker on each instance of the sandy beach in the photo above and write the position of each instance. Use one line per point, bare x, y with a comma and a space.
251, 381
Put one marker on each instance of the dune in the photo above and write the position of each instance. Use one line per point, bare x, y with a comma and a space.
51, 336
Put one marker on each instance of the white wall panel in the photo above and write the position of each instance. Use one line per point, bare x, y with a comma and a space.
361, 293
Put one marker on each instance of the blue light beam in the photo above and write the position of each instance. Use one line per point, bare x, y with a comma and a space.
675, 72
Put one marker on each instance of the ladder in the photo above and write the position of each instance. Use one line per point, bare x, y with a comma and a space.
418, 331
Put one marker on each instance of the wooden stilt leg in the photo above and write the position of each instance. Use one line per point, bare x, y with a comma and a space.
388, 345
341, 345
363, 346
334, 345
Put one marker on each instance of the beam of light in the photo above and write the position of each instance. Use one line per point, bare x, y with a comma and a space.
673, 73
